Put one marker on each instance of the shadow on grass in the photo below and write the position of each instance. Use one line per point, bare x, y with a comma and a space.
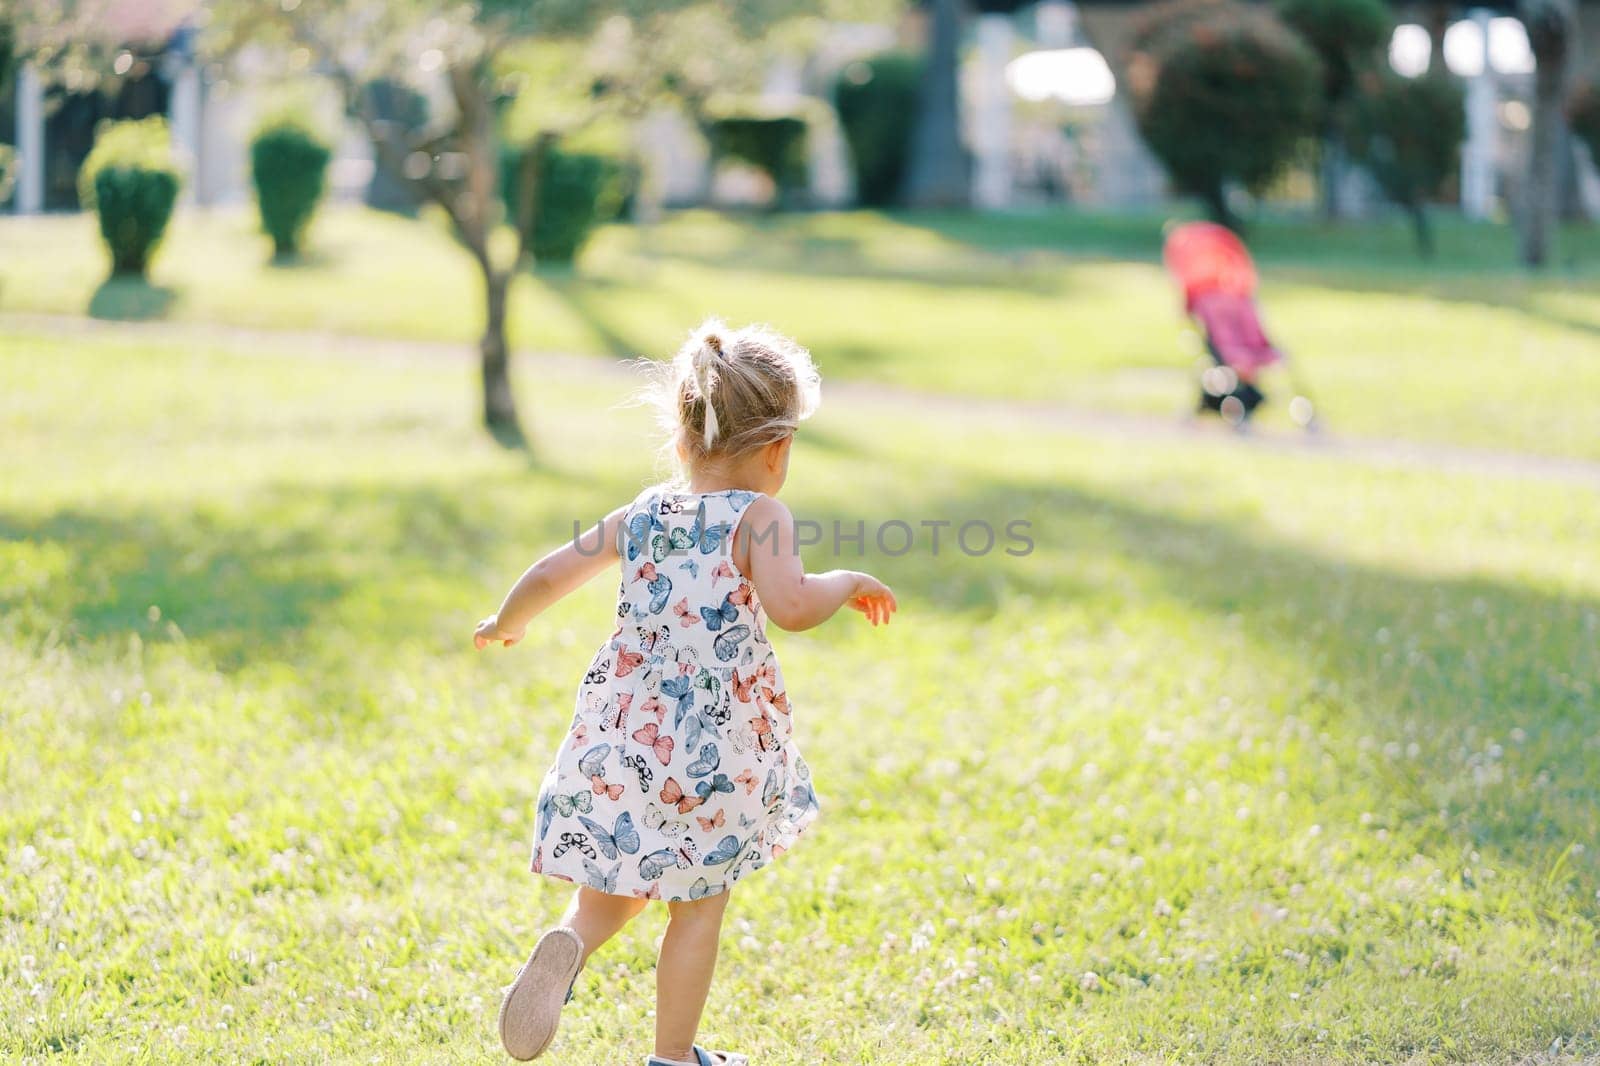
587, 299
240, 588
1384, 246
990, 248
124, 298
257, 582
305, 259
1518, 294
786, 246
1381, 649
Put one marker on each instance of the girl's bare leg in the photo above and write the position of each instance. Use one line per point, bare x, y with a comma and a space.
597, 917
683, 973
531, 1010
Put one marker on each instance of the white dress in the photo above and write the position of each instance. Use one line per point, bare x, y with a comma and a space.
678, 775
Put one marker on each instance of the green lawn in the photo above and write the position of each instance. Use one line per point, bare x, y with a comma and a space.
1060, 307
1259, 757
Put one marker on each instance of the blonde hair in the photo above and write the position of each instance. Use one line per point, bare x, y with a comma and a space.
731, 391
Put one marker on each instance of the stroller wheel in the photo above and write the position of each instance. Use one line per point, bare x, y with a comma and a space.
1303, 414
1234, 412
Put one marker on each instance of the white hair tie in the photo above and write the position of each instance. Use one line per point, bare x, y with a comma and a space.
705, 379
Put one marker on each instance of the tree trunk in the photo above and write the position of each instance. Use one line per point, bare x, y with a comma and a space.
476, 208
1550, 26
1221, 212
1572, 206
1570, 179
1436, 18
470, 200
499, 403
937, 173
1331, 177
1420, 228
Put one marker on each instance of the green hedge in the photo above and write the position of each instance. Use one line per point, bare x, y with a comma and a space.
289, 165
575, 193
876, 99
131, 181
774, 144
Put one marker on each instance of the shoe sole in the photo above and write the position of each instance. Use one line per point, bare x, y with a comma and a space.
532, 1008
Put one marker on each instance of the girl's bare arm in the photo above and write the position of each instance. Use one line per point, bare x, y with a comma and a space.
547, 581
794, 599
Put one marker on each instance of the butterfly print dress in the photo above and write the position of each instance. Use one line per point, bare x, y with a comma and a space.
678, 775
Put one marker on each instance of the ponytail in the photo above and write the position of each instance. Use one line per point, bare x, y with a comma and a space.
703, 370
730, 391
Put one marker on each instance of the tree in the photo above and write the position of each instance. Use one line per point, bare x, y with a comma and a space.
453, 160
1552, 32
1223, 93
938, 174
1347, 36
1407, 132
71, 41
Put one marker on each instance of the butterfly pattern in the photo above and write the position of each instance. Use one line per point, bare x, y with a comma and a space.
701, 783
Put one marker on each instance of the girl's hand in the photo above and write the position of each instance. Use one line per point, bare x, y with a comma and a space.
872, 598
490, 632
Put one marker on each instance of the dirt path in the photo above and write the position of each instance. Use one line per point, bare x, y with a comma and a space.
1376, 451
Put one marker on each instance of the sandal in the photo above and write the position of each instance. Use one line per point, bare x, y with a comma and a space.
532, 1007
702, 1057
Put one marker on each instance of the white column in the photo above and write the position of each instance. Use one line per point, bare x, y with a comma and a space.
30, 141
185, 116
1057, 23
991, 128
1483, 130
831, 181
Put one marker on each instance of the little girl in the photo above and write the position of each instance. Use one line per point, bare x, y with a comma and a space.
678, 775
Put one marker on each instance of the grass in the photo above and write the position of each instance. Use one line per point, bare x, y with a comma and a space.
1059, 307
1256, 758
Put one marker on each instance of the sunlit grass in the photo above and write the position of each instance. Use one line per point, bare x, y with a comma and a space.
1060, 307
1256, 758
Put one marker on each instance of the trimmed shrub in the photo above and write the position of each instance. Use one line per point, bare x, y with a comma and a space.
1407, 132
875, 99
574, 193
1583, 116
1223, 92
773, 144
289, 165
131, 181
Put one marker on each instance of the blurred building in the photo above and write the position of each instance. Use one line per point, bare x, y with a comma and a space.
155, 69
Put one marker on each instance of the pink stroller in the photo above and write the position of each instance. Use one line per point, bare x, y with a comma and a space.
1218, 279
